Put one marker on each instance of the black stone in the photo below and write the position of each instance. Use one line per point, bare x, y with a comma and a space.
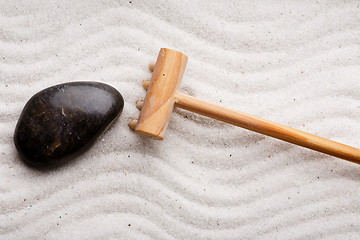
60, 122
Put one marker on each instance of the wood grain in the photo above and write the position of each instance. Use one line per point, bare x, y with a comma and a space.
268, 128
159, 100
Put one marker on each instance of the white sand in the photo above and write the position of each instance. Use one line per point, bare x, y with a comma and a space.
296, 63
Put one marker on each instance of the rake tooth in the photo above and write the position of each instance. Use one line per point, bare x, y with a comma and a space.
139, 104
146, 84
132, 124
151, 67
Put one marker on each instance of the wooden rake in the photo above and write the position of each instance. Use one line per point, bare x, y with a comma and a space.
162, 94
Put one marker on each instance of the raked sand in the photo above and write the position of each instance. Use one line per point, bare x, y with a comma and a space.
292, 62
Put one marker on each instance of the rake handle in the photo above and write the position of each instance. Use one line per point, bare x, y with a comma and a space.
267, 128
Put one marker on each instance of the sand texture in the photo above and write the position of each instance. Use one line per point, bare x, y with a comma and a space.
293, 62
